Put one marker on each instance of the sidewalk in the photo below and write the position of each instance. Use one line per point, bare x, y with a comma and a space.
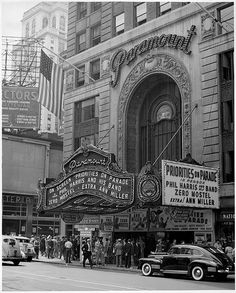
76, 263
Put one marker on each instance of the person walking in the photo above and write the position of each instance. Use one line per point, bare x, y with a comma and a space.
127, 251
43, 245
87, 252
68, 246
118, 252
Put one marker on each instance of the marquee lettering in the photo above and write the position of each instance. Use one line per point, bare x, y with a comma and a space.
121, 56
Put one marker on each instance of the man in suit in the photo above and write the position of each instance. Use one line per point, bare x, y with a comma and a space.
87, 252
127, 252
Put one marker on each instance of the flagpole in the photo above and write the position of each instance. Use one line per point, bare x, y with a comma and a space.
76, 68
105, 135
175, 134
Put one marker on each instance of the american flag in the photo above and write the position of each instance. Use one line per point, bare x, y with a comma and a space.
50, 85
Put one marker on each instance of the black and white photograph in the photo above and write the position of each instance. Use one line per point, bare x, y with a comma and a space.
117, 146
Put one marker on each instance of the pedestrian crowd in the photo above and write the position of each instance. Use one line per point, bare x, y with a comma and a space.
100, 252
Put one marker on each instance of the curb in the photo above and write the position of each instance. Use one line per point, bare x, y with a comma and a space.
78, 264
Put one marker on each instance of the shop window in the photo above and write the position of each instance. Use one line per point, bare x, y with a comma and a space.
45, 22
80, 76
95, 35
80, 42
33, 27
95, 6
54, 24
165, 7
95, 69
62, 23
141, 13
226, 17
81, 10
27, 30
119, 24
85, 110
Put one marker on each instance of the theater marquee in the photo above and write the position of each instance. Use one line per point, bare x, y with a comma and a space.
189, 185
92, 183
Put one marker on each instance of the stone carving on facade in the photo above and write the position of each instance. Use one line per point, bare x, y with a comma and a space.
105, 66
70, 79
152, 64
207, 26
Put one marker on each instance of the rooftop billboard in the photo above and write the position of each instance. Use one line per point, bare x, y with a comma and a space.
20, 108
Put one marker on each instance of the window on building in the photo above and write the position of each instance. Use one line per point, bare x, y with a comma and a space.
80, 76
62, 23
33, 26
141, 13
95, 6
85, 110
45, 22
226, 17
95, 69
87, 140
165, 7
81, 10
95, 35
227, 114
54, 22
49, 126
80, 42
27, 30
49, 117
119, 24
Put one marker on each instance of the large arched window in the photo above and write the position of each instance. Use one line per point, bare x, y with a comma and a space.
62, 23
45, 22
54, 23
33, 27
27, 30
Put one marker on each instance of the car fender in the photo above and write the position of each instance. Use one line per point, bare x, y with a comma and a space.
203, 262
151, 261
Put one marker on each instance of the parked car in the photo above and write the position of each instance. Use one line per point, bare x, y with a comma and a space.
11, 250
190, 260
26, 247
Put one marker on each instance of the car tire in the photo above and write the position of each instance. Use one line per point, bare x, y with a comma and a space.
147, 269
29, 258
16, 262
198, 273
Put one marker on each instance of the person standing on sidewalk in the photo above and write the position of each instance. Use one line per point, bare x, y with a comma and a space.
87, 252
118, 253
127, 251
36, 247
68, 246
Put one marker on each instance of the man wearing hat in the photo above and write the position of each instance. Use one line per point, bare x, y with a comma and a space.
87, 252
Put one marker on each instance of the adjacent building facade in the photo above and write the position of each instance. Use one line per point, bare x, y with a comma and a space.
47, 22
25, 160
160, 72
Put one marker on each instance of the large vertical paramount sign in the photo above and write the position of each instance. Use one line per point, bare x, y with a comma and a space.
189, 185
20, 108
92, 183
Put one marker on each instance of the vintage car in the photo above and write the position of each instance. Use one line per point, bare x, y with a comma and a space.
190, 260
11, 250
26, 247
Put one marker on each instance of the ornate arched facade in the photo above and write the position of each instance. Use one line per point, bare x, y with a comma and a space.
153, 64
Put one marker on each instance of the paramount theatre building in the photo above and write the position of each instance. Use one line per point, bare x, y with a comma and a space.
148, 138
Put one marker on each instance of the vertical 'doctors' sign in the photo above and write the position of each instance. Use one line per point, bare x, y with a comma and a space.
20, 108
189, 185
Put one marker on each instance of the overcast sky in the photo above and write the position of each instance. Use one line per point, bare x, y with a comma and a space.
12, 14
